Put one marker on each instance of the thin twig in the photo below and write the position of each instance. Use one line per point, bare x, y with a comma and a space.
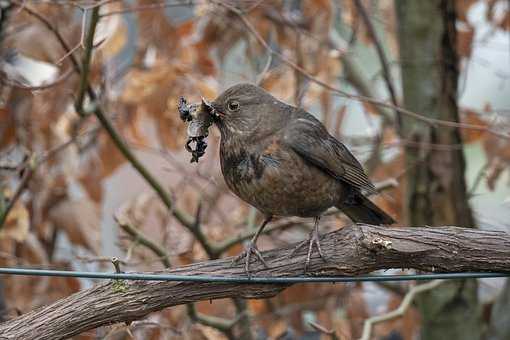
52, 28
149, 7
329, 332
27, 175
382, 58
374, 158
406, 302
29, 167
196, 229
142, 239
223, 325
87, 55
262, 74
280, 224
478, 179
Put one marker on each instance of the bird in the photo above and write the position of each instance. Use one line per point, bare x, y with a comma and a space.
281, 160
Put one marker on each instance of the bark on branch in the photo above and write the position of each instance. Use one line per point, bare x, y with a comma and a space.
351, 251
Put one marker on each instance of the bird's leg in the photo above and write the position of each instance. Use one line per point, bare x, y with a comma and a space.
252, 249
314, 238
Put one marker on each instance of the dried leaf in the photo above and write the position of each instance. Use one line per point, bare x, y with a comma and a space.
17, 224
465, 35
473, 118
112, 32
7, 128
462, 7
81, 222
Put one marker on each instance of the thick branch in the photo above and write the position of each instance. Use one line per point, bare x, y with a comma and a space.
351, 251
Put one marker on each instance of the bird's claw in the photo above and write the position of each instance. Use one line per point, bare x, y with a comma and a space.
314, 238
246, 254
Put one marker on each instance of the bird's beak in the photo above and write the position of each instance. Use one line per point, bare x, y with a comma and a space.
213, 111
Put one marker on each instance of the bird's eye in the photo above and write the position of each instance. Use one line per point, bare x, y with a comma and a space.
233, 105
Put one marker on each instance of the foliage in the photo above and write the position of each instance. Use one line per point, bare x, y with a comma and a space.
146, 54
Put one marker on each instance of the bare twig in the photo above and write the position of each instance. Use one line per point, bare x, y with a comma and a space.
29, 167
382, 57
148, 7
329, 332
374, 158
278, 225
141, 238
196, 228
116, 264
223, 325
406, 302
482, 173
28, 172
85, 64
23, 6
264, 72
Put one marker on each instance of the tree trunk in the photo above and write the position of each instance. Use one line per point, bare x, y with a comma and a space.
436, 189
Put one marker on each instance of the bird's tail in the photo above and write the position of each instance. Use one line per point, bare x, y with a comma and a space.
362, 210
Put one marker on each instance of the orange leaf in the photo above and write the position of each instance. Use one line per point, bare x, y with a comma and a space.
473, 118
17, 224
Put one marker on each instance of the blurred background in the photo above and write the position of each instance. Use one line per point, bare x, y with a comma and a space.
69, 199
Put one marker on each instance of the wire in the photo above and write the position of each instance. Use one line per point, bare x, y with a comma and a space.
233, 279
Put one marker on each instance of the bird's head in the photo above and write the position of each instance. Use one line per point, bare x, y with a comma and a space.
245, 109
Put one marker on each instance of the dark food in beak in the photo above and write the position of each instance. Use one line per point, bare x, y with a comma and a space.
199, 118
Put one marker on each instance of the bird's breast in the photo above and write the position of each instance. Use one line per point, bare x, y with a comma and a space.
277, 181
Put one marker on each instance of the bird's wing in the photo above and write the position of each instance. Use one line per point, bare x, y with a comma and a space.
310, 139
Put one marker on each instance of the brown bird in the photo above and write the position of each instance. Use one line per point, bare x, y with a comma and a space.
282, 160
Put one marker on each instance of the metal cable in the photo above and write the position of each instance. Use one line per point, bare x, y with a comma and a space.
233, 279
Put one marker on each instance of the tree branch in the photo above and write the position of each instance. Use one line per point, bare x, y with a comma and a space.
350, 251
404, 306
382, 57
140, 237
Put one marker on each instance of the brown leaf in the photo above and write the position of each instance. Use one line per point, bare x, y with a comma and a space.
462, 7
465, 35
110, 156
17, 224
80, 220
504, 22
114, 30
473, 118
7, 127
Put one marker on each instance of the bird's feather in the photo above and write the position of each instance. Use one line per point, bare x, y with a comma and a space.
308, 137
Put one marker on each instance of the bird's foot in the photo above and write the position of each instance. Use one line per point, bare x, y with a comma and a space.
250, 249
313, 239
